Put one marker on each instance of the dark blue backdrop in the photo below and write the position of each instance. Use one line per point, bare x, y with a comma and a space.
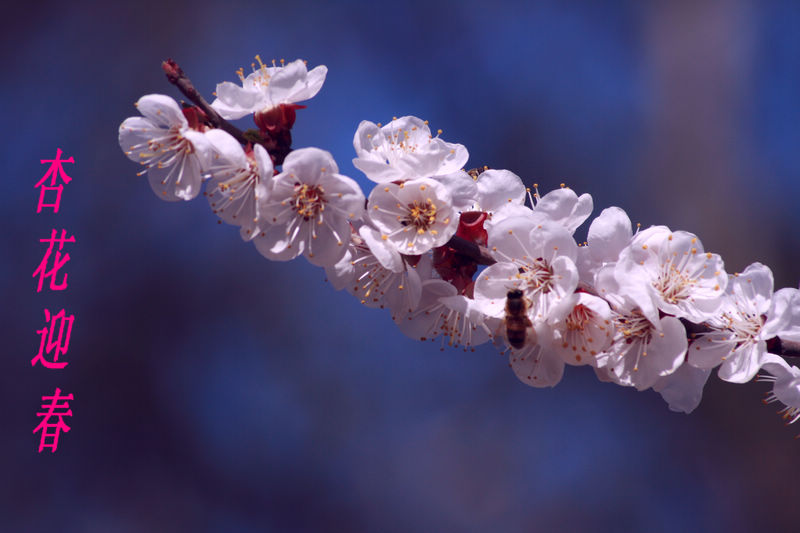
216, 391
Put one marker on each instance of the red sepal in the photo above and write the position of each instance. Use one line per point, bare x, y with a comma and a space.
454, 267
277, 119
196, 117
470, 227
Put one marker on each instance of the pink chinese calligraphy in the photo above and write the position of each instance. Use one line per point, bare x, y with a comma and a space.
59, 261
55, 411
54, 337
55, 172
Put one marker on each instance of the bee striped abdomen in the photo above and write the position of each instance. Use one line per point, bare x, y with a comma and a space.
517, 321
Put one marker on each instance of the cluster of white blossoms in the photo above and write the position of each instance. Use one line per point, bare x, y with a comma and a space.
621, 302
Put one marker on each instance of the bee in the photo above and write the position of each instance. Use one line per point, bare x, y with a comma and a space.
517, 322
475, 172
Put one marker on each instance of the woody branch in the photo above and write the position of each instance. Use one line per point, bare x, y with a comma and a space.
475, 252
176, 76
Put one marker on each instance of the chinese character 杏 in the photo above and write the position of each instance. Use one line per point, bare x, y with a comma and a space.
51, 430
58, 262
59, 326
55, 171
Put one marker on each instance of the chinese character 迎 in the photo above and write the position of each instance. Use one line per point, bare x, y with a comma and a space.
59, 325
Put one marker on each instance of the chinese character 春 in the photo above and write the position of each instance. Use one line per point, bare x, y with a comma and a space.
58, 262
59, 326
55, 172
51, 430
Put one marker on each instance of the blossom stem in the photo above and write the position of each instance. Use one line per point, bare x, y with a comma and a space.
479, 254
176, 76
783, 348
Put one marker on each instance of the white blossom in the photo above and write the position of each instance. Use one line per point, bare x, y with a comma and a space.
582, 329
785, 380
535, 258
268, 87
375, 273
414, 216
235, 188
677, 276
536, 365
404, 149
561, 206
307, 209
443, 312
749, 317
643, 349
174, 154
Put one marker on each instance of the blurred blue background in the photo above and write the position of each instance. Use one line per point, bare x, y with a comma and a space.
217, 391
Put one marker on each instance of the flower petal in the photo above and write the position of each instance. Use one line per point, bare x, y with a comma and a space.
499, 188
683, 389
162, 111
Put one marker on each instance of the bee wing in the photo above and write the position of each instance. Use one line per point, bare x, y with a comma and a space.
500, 336
530, 334
497, 326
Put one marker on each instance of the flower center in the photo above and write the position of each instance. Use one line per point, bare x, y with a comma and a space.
421, 215
240, 176
634, 326
579, 317
393, 145
673, 283
401, 140
167, 150
263, 74
308, 200
538, 275
745, 326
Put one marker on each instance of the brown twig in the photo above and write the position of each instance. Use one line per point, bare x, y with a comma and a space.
477, 253
783, 348
176, 76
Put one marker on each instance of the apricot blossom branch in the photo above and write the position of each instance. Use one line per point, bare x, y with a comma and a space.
470, 256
